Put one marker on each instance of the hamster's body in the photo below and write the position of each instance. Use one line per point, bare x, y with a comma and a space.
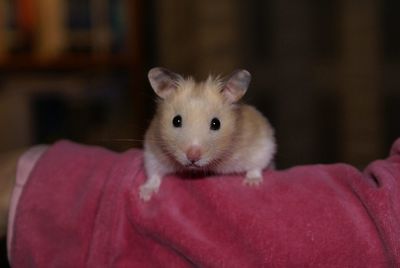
200, 126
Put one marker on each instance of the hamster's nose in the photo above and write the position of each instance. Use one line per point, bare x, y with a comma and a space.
193, 154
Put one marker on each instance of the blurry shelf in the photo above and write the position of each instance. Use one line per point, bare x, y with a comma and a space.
67, 62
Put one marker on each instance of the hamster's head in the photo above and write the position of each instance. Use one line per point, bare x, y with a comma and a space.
197, 122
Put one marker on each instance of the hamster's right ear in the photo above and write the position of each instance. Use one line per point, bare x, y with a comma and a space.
163, 81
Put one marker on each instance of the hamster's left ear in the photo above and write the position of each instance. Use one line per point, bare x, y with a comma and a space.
236, 86
163, 81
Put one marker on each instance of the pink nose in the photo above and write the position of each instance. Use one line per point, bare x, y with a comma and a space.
193, 154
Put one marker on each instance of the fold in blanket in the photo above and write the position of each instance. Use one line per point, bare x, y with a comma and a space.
80, 208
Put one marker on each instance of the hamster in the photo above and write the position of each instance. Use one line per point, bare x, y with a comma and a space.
203, 127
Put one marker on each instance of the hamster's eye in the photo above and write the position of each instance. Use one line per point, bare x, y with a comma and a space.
215, 124
177, 121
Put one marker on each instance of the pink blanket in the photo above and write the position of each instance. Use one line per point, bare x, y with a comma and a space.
80, 208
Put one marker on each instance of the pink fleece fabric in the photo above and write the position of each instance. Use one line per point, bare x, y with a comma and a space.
80, 208
25, 165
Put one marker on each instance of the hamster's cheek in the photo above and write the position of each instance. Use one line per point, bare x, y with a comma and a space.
222, 142
211, 153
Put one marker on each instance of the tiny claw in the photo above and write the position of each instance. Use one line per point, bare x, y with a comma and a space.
252, 181
146, 192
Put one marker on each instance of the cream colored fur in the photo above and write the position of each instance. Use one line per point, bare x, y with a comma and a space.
244, 143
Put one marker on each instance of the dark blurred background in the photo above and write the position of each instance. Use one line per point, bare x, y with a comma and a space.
326, 73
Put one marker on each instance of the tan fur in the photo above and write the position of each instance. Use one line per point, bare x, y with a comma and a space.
244, 143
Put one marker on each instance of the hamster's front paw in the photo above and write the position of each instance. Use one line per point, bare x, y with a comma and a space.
150, 187
253, 178
146, 191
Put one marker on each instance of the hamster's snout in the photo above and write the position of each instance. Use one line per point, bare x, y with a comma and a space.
193, 154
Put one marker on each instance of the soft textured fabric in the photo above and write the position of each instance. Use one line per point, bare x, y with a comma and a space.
25, 165
80, 208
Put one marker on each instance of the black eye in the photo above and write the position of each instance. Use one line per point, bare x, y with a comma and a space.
215, 124
177, 121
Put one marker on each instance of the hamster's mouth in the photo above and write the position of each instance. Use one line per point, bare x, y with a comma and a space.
199, 165
192, 166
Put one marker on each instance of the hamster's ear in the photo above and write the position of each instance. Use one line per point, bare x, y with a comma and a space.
236, 86
163, 81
